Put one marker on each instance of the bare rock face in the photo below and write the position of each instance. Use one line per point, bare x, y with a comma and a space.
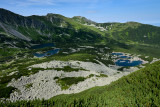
10, 30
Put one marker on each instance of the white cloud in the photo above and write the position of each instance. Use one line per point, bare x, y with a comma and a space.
91, 3
32, 2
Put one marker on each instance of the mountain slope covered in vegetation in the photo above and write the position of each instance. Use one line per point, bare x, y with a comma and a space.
57, 28
49, 28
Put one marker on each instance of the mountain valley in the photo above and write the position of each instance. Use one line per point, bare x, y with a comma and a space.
54, 60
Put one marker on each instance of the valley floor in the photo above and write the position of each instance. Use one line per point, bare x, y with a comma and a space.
73, 70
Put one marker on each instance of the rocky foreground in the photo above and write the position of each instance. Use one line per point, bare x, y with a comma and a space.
43, 85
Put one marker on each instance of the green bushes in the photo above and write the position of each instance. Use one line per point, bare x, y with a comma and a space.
28, 85
66, 82
68, 69
6, 91
103, 75
6, 52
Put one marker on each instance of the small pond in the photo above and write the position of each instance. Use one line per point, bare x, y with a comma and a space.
124, 60
48, 53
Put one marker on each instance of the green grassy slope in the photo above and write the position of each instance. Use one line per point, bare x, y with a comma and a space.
130, 32
141, 88
135, 33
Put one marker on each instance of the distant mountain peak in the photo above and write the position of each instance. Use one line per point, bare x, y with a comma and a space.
83, 20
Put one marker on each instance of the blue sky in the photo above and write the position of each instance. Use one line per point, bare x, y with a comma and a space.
144, 11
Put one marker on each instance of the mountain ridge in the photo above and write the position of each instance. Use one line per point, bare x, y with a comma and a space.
58, 28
